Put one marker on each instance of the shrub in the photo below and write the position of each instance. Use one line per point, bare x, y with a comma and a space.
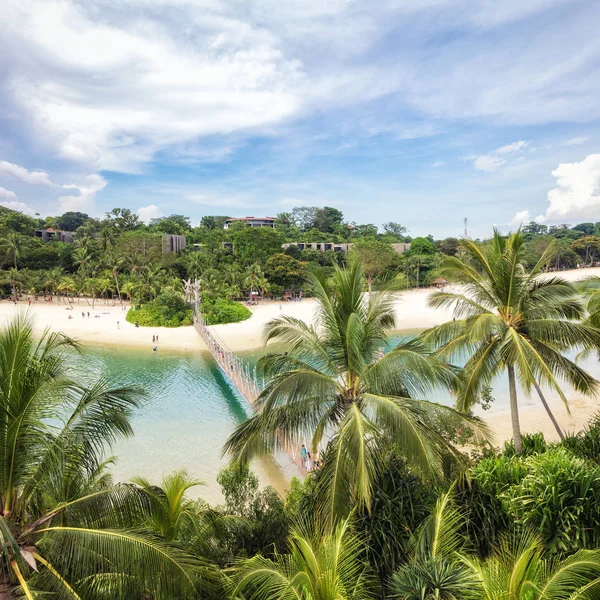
167, 310
554, 493
586, 443
221, 310
533, 443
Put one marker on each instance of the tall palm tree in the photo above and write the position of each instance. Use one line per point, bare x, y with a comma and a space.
11, 245
508, 320
320, 567
115, 262
52, 279
65, 530
335, 382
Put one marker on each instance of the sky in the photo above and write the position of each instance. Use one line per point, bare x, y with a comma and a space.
420, 112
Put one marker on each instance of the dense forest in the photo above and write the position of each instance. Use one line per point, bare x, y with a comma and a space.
120, 258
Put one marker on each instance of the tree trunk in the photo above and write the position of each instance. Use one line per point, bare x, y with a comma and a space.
552, 418
514, 409
369, 284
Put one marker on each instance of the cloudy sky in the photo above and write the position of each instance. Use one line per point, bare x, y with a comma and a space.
422, 112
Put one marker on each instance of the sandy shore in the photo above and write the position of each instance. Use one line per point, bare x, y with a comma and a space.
106, 325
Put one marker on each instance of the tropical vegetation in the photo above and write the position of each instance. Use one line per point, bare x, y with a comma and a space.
408, 498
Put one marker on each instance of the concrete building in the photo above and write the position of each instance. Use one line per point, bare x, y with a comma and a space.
252, 221
399, 247
173, 243
54, 234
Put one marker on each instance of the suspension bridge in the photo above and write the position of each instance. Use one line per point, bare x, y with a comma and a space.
235, 368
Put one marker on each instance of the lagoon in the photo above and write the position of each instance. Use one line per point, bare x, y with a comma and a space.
187, 414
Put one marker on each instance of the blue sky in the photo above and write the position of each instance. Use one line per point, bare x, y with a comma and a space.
419, 112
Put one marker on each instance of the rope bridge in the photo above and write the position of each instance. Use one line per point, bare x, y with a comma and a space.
237, 370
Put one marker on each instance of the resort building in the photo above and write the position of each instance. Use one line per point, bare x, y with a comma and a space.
251, 221
399, 247
173, 243
50, 234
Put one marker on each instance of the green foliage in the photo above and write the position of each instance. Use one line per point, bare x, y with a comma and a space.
169, 309
401, 503
555, 493
420, 245
586, 443
220, 310
71, 220
264, 527
285, 271
333, 378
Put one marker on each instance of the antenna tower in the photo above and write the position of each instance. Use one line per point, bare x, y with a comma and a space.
466, 222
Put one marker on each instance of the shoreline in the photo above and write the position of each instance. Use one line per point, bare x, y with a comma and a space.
106, 326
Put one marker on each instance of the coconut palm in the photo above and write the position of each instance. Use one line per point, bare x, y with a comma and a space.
66, 531
67, 286
172, 511
335, 382
508, 320
12, 244
319, 567
52, 279
115, 262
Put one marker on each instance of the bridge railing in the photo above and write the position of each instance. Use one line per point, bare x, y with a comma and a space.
239, 373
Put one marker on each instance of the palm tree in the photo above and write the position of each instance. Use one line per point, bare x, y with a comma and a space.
435, 571
115, 262
66, 530
172, 511
509, 320
67, 286
11, 244
320, 567
254, 277
335, 382
443, 568
52, 279
519, 569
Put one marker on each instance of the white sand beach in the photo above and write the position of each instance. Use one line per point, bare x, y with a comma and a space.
106, 325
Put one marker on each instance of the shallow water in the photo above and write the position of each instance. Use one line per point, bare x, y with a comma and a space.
185, 418
190, 409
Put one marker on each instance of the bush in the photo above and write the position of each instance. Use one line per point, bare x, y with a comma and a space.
586, 443
554, 493
221, 310
167, 310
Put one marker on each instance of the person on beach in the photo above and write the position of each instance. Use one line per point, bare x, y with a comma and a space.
155, 349
153, 340
157, 338
118, 325
88, 314
303, 454
82, 315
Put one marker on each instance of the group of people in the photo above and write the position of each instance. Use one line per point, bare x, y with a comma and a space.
308, 462
154, 343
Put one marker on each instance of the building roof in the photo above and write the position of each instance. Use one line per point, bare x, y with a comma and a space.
251, 218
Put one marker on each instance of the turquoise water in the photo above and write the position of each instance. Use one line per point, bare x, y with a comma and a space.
190, 410
188, 413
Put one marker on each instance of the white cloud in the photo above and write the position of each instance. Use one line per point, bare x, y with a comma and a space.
523, 216
576, 196
18, 206
109, 84
147, 213
512, 148
489, 163
6, 194
40, 178
576, 141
